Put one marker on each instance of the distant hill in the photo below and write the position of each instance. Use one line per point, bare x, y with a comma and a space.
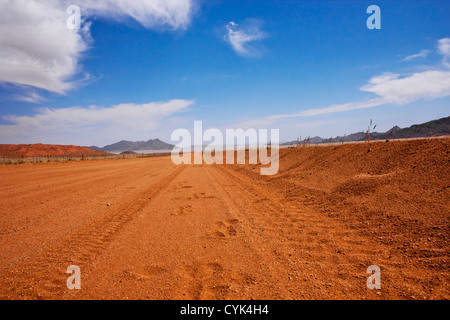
440, 127
123, 145
128, 152
46, 150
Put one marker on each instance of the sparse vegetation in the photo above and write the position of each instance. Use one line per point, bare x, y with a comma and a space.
430, 132
435, 128
307, 141
369, 131
299, 139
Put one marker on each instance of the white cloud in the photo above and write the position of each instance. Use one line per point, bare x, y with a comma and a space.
270, 120
172, 14
389, 88
426, 85
421, 54
38, 50
241, 37
335, 108
36, 47
444, 49
92, 125
30, 96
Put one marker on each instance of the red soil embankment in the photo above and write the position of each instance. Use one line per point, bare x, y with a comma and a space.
44, 150
397, 194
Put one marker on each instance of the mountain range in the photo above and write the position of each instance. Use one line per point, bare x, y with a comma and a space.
440, 127
123, 145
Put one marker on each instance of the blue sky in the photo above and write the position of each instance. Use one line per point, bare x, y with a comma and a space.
144, 70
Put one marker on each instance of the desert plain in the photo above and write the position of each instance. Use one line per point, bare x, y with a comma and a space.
148, 229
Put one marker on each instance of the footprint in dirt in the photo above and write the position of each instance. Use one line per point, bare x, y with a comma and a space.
209, 281
142, 273
182, 198
224, 229
183, 210
202, 195
182, 185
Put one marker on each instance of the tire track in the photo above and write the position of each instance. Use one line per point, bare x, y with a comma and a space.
314, 252
43, 219
45, 277
263, 264
268, 208
60, 184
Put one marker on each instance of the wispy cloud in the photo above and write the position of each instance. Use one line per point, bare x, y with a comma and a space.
30, 96
270, 120
38, 50
241, 38
399, 90
444, 49
389, 88
421, 54
94, 124
170, 14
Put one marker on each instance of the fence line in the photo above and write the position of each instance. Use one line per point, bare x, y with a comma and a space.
21, 160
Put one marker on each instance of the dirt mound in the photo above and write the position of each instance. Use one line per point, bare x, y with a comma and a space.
395, 193
45, 150
409, 178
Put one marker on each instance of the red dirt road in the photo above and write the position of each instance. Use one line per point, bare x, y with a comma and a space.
225, 232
